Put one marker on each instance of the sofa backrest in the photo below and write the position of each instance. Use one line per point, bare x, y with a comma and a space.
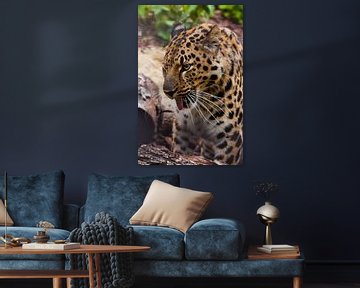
119, 196
35, 198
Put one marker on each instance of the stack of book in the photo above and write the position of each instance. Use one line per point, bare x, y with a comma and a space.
51, 246
279, 249
274, 252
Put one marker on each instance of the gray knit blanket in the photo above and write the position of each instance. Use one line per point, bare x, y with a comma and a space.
116, 268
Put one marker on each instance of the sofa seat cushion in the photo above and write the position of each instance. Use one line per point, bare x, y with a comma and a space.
35, 198
214, 239
120, 196
29, 232
166, 243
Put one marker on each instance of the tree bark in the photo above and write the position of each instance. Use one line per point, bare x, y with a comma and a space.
153, 154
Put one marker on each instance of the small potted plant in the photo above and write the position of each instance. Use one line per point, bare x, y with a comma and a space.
264, 189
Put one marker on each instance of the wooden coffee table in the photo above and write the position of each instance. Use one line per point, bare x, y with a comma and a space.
92, 251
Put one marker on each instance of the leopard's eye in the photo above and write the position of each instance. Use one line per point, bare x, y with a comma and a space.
186, 66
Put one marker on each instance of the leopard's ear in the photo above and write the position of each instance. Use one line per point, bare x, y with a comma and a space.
211, 42
177, 29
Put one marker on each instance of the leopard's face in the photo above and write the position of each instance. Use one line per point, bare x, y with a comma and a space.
202, 71
198, 61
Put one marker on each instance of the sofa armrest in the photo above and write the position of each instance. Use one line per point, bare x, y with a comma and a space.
215, 239
71, 216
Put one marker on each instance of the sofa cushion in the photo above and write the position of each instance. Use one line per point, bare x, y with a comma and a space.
35, 198
119, 196
169, 206
9, 221
165, 243
29, 232
214, 239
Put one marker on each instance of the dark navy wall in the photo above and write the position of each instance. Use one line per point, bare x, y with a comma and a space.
68, 100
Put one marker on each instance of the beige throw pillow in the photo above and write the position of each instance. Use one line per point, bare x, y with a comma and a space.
9, 221
170, 206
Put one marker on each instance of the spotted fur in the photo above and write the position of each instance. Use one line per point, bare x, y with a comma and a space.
203, 73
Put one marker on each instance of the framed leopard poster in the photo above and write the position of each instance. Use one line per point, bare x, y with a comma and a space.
190, 84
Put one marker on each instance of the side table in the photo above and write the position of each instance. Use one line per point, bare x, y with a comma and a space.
288, 259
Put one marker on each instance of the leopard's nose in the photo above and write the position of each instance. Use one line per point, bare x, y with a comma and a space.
170, 93
169, 86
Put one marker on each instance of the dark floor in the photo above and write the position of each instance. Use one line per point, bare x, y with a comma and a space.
333, 285
253, 283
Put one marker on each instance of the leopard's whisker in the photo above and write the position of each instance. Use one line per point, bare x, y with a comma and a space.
202, 93
208, 110
193, 103
207, 106
192, 118
198, 109
191, 114
210, 103
206, 96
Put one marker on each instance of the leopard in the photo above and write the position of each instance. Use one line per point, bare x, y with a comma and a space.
203, 73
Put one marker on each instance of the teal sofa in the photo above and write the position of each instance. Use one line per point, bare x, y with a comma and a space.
210, 248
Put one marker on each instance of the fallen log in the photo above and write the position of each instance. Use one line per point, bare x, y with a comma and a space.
154, 154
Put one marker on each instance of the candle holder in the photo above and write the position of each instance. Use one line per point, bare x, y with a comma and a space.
42, 236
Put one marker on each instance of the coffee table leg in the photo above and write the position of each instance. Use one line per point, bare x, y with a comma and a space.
297, 282
68, 282
57, 283
91, 270
98, 270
